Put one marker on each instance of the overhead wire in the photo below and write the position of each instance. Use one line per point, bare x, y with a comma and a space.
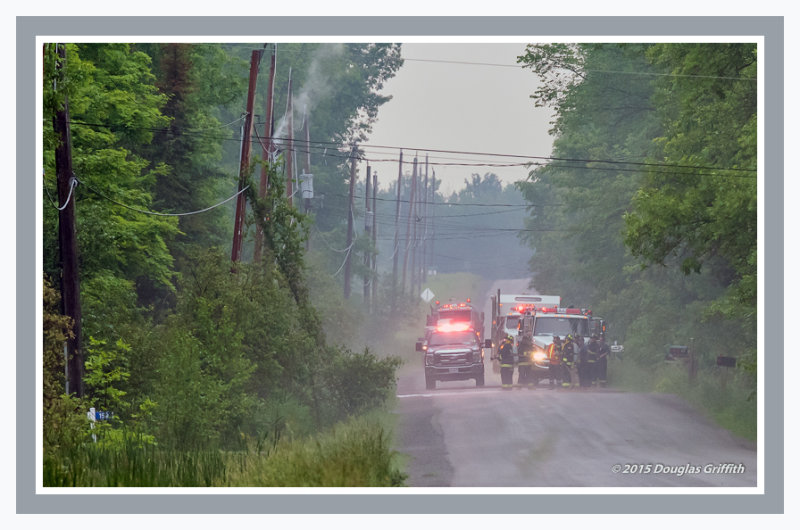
325, 145
619, 72
148, 212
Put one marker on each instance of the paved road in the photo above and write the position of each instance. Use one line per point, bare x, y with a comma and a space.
460, 435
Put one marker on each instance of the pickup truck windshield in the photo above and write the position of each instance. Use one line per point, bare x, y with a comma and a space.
453, 338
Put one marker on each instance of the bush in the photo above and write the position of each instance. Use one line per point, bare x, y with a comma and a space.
356, 382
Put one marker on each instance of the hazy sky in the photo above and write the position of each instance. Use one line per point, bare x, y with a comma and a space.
460, 107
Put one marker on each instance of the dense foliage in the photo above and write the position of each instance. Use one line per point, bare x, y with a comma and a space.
653, 187
186, 351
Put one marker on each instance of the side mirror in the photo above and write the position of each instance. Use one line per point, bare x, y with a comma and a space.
419, 345
487, 343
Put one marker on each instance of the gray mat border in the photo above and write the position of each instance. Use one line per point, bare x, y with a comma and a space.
772, 28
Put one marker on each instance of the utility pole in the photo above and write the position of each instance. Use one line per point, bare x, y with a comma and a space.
433, 217
374, 239
307, 171
289, 146
367, 232
266, 152
408, 224
396, 232
415, 239
425, 231
307, 168
244, 163
68, 241
350, 224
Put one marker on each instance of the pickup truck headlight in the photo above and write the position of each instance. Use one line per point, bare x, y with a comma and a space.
477, 356
539, 356
428, 359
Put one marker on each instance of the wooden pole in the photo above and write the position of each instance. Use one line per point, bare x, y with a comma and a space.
68, 242
408, 224
425, 244
350, 224
289, 144
266, 151
244, 163
374, 239
396, 232
307, 169
367, 232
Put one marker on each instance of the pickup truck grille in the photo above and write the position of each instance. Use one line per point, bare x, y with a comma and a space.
452, 357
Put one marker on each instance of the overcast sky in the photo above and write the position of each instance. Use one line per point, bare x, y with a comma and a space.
461, 107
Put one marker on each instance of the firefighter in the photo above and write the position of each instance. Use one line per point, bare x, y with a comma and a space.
554, 355
592, 355
602, 362
506, 355
524, 362
584, 369
570, 377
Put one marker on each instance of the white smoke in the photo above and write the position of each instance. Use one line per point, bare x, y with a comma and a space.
317, 86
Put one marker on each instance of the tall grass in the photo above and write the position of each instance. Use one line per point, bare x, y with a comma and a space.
132, 465
723, 396
354, 453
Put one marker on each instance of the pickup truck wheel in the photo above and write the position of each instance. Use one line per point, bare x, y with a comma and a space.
479, 380
430, 383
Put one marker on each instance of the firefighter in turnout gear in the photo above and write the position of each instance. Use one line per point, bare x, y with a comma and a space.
553, 351
506, 355
602, 362
525, 360
584, 369
589, 355
570, 377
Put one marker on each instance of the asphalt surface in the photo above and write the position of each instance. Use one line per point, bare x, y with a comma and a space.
460, 435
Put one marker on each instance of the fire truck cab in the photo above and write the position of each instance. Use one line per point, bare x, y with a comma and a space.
544, 323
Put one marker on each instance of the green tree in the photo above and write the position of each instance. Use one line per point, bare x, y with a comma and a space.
577, 207
708, 215
113, 105
651, 146
200, 82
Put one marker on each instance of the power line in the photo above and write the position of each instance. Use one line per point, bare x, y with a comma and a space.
318, 144
160, 213
618, 72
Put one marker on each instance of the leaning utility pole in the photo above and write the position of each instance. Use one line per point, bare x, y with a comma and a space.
374, 239
350, 224
367, 231
266, 152
244, 163
68, 241
408, 224
396, 232
289, 144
